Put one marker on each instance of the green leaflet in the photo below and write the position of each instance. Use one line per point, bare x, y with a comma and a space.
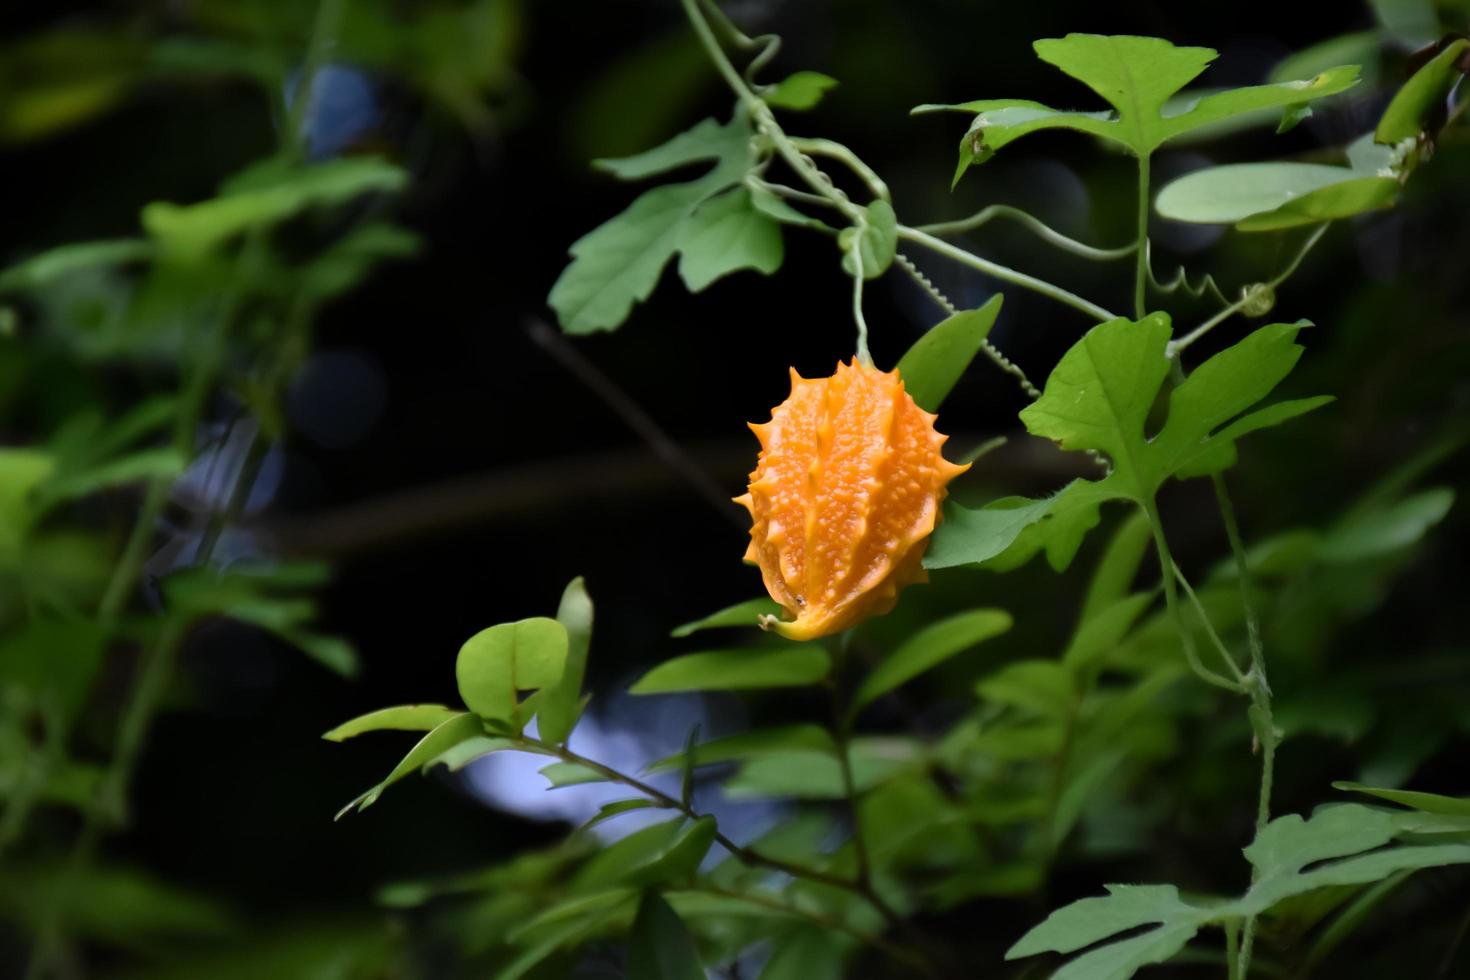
801, 91
928, 648
558, 706
745, 613
497, 663
933, 365
1097, 399
660, 947
735, 670
1141, 78
618, 263
1414, 103
403, 717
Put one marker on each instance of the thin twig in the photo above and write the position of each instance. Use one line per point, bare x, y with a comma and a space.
1042, 230
642, 424
1251, 295
1003, 273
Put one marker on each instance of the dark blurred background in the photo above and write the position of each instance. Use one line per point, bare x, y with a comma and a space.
457, 472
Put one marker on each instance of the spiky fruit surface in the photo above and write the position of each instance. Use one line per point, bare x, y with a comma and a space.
845, 494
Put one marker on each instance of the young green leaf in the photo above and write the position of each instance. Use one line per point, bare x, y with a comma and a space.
441, 739
497, 663
875, 241
800, 91
1425, 91
560, 774
1042, 687
617, 264
747, 613
648, 857
748, 745
806, 953
725, 234
933, 365
615, 809
659, 947
402, 718
1385, 529
1118, 567
929, 648
817, 774
558, 706
737, 670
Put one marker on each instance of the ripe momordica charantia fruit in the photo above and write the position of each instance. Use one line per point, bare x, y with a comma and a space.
844, 496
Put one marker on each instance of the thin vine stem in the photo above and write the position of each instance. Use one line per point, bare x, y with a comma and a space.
833, 150
1003, 273
986, 347
1171, 601
1250, 294
1219, 644
855, 252
1260, 691
744, 855
1141, 269
1040, 228
892, 950
803, 165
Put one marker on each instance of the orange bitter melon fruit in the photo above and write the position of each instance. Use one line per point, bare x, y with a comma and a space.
845, 494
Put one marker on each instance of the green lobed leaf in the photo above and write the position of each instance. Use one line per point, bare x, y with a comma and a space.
1339, 845
401, 718
1141, 78
725, 234
1425, 91
1091, 920
497, 663
929, 648
737, 670
618, 263
660, 947
558, 706
933, 365
800, 91
1099, 395
745, 613
707, 140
